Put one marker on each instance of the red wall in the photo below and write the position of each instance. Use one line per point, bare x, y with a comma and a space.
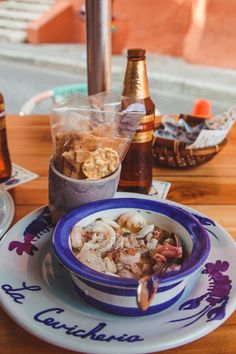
201, 31
157, 25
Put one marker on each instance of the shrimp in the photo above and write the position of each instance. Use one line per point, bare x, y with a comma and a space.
112, 223
132, 220
122, 220
107, 235
76, 237
136, 222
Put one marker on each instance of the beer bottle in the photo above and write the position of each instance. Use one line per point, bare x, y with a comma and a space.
5, 161
136, 172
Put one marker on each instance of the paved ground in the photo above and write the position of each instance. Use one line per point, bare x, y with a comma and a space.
20, 81
26, 70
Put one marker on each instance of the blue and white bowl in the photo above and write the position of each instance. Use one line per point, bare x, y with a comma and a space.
118, 295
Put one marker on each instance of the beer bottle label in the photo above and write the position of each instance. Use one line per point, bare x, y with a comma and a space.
2, 116
144, 133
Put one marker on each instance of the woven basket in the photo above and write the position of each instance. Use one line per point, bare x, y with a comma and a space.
173, 153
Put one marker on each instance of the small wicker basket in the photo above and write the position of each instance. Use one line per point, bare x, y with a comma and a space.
173, 153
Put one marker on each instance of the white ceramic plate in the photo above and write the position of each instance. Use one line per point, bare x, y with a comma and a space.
7, 211
38, 294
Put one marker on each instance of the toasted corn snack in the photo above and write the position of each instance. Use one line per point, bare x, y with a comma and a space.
101, 163
82, 155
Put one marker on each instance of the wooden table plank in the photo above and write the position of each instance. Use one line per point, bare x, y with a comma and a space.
203, 190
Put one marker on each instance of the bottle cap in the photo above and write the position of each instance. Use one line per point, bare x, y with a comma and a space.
137, 53
202, 108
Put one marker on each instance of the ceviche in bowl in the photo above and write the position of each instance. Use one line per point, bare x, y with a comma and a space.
110, 246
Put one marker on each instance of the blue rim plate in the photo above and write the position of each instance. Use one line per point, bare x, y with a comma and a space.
38, 294
7, 211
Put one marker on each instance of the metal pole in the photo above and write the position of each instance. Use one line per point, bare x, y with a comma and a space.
98, 26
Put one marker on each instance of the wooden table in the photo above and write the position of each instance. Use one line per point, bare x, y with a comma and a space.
210, 189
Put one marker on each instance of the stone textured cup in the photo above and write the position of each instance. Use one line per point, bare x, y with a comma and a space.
66, 194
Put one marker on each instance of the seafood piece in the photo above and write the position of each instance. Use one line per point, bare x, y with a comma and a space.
112, 223
103, 227
110, 265
132, 220
158, 233
107, 234
173, 240
149, 237
148, 229
136, 222
119, 242
146, 265
135, 269
91, 258
141, 244
119, 266
152, 244
169, 251
157, 257
122, 220
131, 241
76, 237
128, 256
93, 242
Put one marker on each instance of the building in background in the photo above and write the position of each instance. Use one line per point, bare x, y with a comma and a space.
201, 31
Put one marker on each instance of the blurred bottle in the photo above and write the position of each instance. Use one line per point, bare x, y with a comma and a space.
202, 108
5, 161
136, 173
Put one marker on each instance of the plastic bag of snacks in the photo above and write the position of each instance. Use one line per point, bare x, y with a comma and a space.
92, 135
